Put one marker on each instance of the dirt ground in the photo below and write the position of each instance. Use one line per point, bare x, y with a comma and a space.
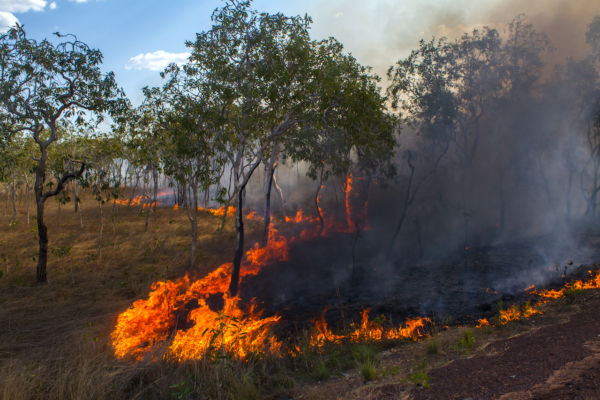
555, 356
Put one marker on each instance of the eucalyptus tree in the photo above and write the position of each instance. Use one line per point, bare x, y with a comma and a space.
263, 81
347, 125
42, 86
423, 91
256, 66
103, 155
9, 172
143, 133
585, 75
189, 150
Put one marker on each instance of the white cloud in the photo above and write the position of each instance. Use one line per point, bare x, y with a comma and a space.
155, 61
7, 20
52, 5
20, 6
8, 7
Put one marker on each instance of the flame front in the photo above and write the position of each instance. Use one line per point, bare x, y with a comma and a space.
170, 304
177, 321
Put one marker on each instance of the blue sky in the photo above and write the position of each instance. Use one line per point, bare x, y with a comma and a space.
137, 37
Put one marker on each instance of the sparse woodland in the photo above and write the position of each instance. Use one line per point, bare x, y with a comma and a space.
467, 144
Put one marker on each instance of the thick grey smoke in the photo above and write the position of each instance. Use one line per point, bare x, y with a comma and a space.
518, 213
379, 32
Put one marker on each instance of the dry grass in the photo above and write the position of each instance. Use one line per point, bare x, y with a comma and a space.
54, 338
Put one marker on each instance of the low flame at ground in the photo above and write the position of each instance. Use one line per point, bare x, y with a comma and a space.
368, 330
176, 320
143, 200
516, 313
483, 322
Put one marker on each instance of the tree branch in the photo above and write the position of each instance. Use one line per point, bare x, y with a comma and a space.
63, 179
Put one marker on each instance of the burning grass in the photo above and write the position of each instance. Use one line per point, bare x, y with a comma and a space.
177, 314
56, 341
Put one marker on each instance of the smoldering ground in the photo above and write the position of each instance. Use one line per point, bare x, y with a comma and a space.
520, 210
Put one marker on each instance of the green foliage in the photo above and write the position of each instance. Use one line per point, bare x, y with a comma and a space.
365, 357
364, 352
180, 391
368, 370
500, 305
321, 371
467, 341
419, 376
572, 293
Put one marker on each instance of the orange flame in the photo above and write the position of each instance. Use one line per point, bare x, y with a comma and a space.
347, 191
151, 321
483, 322
172, 306
321, 333
529, 288
368, 330
219, 212
515, 313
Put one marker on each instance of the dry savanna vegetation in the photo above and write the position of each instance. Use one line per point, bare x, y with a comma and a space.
270, 222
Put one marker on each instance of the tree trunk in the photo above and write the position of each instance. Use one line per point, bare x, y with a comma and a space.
192, 212
41, 197
239, 250
155, 193
147, 217
76, 199
317, 194
80, 217
13, 198
132, 195
409, 197
27, 197
40, 172
594, 196
280, 192
144, 197
268, 186
6, 189
42, 240
101, 230
224, 218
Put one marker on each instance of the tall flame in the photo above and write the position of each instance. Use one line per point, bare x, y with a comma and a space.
347, 192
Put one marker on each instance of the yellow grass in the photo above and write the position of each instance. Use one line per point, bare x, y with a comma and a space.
54, 338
